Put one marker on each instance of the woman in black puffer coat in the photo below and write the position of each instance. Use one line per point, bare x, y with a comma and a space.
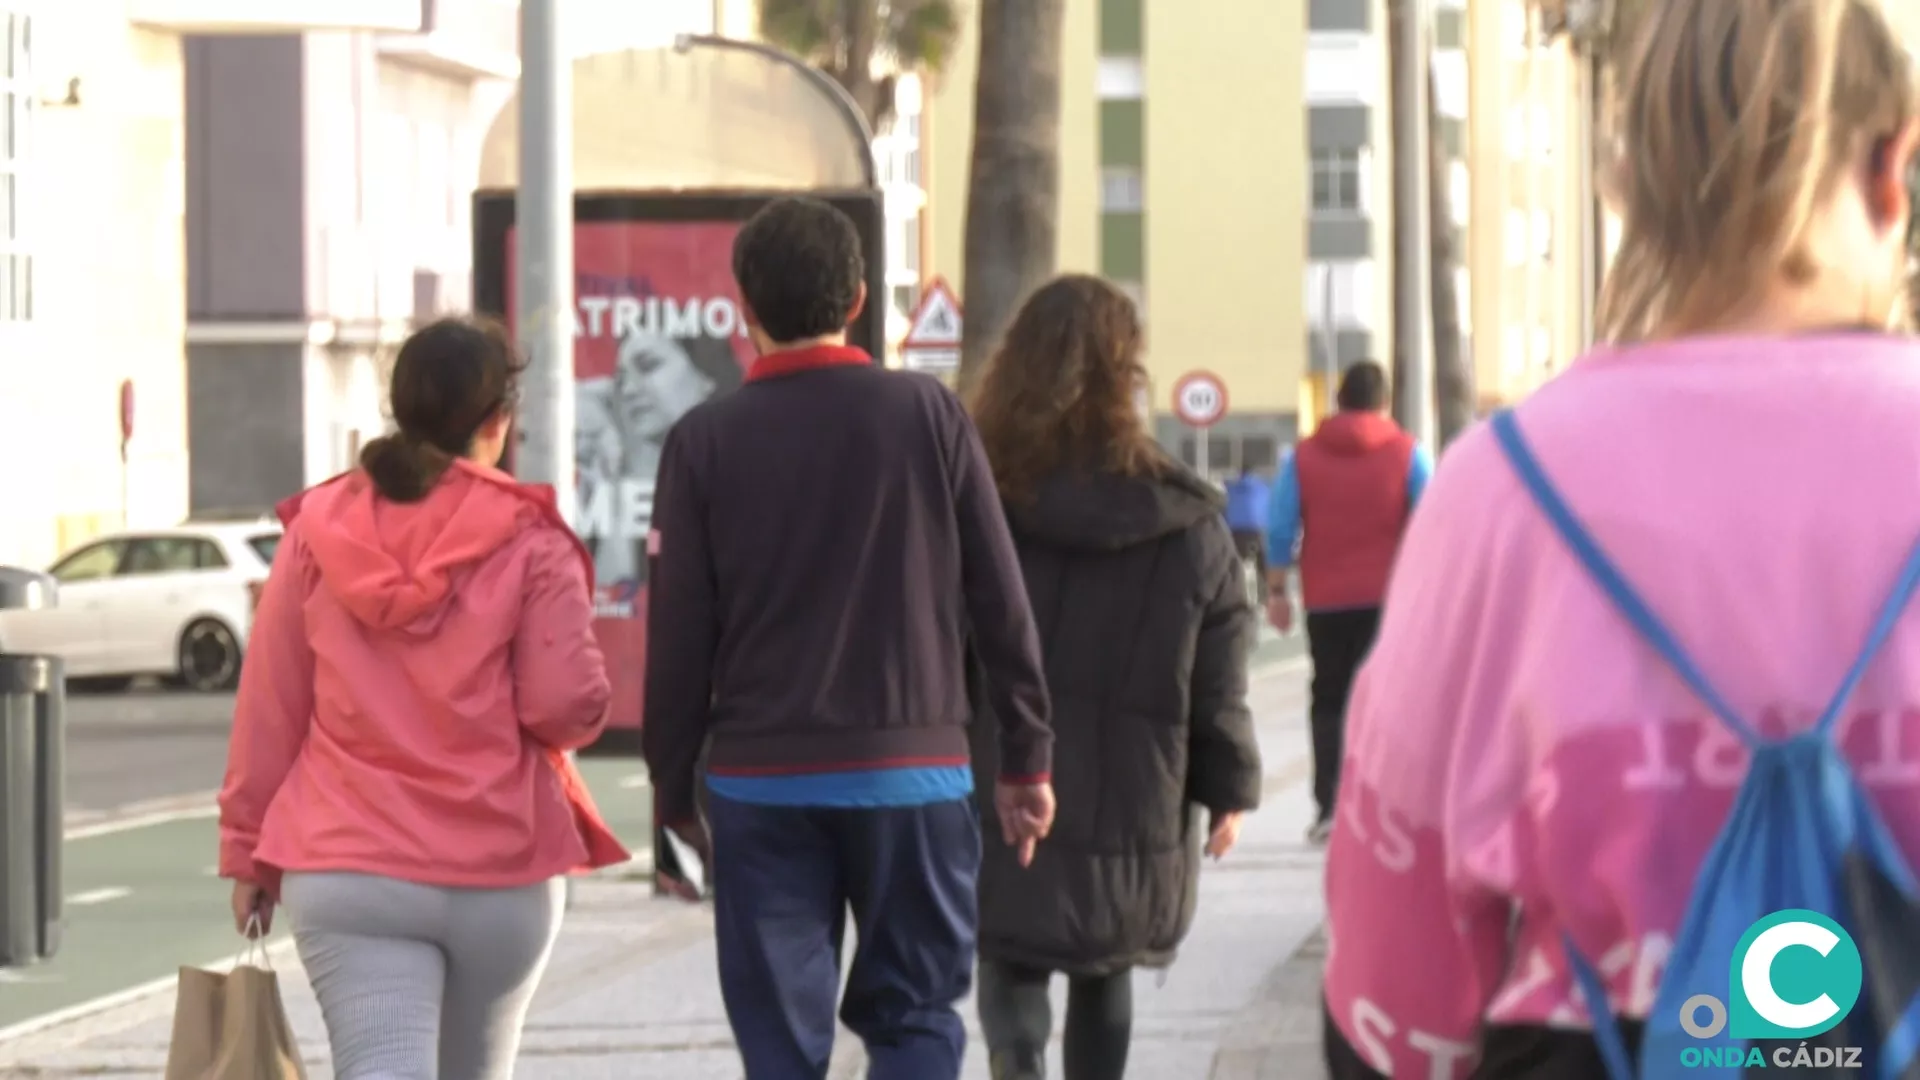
1146, 626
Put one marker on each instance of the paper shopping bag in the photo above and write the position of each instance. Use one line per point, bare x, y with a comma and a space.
232, 1026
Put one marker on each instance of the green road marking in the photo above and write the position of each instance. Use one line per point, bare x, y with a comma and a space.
173, 912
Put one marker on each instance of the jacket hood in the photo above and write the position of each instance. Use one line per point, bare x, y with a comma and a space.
392, 564
1097, 511
1356, 433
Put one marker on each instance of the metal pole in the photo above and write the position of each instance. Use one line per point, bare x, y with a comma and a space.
543, 215
1203, 460
1413, 322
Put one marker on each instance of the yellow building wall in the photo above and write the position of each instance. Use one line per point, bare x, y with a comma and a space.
947, 146
1225, 199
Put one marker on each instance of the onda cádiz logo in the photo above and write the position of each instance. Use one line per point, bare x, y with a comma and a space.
1795, 975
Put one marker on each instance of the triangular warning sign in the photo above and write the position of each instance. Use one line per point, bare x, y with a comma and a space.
936, 321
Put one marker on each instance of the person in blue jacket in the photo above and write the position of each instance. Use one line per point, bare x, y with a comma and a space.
1247, 496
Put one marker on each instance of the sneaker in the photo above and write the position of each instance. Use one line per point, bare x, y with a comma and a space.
1321, 831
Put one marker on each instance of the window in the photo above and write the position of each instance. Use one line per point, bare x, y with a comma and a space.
1529, 132
1513, 358
910, 246
1122, 78
90, 563
208, 556
1122, 190
170, 555
905, 299
1338, 186
1517, 242
1460, 191
1340, 293
1450, 82
265, 545
1542, 236
1344, 68
1259, 452
16, 147
1542, 347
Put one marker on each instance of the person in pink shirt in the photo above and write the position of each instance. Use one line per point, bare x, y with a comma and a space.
421, 660
1525, 775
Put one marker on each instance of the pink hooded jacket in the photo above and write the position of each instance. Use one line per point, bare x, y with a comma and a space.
415, 674
1519, 763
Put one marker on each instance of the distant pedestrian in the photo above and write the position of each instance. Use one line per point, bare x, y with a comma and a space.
1248, 496
828, 541
1148, 625
421, 658
1342, 502
1632, 785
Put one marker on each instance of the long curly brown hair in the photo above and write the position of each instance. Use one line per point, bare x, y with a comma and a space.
1060, 391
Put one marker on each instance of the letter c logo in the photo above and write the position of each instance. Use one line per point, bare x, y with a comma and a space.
1795, 975
1756, 975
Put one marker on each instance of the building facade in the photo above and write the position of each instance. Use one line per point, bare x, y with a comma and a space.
329, 182
93, 285
1182, 180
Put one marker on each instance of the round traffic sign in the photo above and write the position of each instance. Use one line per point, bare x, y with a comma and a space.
1200, 398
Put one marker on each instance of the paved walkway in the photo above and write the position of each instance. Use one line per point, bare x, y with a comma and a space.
631, 994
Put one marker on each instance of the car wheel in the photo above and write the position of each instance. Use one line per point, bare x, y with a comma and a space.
209, 657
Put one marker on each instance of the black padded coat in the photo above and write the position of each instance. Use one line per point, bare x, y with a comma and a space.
1145, 625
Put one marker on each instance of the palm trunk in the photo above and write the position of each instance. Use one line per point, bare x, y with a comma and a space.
856, 68
1013, 192
1453, 389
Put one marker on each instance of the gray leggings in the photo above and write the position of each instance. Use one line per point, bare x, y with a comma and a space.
418, 982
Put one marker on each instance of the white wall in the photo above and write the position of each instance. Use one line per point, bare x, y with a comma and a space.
105, 202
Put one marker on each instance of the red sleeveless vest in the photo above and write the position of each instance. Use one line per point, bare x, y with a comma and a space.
1353, 507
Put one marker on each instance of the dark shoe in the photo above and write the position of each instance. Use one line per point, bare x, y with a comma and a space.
1017, 1065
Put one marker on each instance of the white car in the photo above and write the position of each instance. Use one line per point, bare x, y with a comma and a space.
176, 603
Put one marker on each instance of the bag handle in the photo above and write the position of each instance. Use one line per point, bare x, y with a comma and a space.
256, 953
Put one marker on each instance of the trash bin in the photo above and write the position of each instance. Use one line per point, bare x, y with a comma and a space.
32, 799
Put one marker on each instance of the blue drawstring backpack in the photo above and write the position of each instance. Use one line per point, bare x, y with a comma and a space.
1802, 837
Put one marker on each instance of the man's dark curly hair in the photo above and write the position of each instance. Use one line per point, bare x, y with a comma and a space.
799, 268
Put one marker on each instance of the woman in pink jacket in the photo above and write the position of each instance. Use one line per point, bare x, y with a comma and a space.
421, 660
1527, 779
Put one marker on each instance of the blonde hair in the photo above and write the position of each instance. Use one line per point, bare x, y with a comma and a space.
1735, 119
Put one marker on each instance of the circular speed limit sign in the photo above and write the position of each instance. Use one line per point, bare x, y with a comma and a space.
1200, 399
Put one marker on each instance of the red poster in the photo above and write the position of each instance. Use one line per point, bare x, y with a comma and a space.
657, 330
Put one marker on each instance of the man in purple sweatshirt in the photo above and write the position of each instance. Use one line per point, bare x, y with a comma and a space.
827, 544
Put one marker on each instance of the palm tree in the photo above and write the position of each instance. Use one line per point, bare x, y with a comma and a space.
1013, 191
844, 38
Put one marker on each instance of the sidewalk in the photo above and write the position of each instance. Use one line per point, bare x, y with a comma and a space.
631, 993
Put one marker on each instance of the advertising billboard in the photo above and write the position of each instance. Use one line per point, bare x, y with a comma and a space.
658, 329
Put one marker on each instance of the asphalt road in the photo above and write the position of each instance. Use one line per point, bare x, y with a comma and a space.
141, 746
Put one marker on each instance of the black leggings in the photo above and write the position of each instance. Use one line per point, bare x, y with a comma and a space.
1016, 1019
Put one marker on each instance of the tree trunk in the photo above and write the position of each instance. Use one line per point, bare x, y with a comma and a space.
862, 29
1013, 191
1453, 389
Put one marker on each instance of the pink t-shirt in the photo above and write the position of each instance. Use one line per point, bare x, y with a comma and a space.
1519, 763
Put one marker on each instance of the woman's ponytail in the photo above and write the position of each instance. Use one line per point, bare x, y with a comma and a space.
403, 468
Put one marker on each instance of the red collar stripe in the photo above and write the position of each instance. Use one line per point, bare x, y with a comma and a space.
794, 361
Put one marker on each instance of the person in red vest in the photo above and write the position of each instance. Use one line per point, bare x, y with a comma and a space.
1342, 501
